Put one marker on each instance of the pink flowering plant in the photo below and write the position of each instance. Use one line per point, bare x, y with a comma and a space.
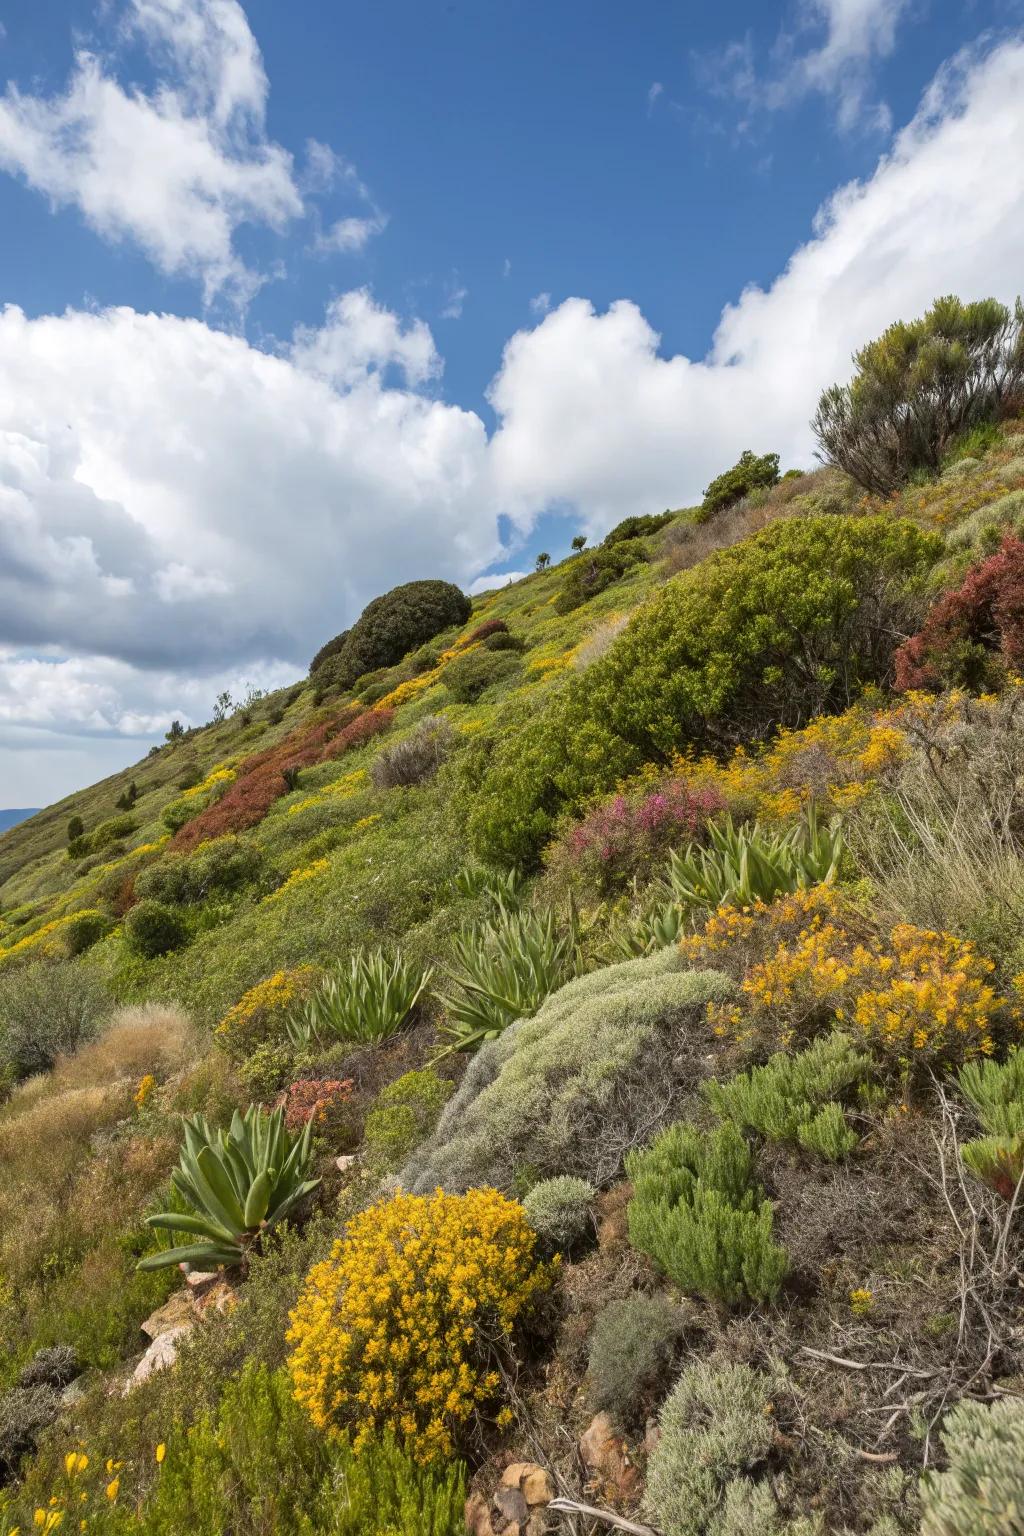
629, 836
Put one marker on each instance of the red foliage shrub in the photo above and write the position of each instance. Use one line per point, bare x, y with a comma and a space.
974, 633
630, 835
363, 728
260, 779
488, 627
314, 1098
124, 897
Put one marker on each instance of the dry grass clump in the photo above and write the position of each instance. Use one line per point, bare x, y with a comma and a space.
601, 638
148, 1037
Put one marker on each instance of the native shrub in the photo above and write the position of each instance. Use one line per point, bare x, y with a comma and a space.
48, 1009
717, 1425
391, 625
561, 1212
223, 865
566, 1091
317, 1100
468, 676
594, 570
485, 630
415, 758
403, 1327
793, 1097
84, 930
631, 1349
982, 1491
259, 1017
749, 473
151, 929
637, 527
697, 1212
626, 837
995, 1091
25, 1412
974, 635
403, 1115
790, 623
919, 388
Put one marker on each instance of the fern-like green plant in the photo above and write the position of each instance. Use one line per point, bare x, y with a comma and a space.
363, 1002
238, 1183
995, 1090
745, 864
504, 969
698, 1213
792, 1097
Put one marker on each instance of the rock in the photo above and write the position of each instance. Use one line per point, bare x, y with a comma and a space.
175, 1313
219, 1297
533, 1482
344, 1163
606, 1458
199, 1280
537, 1524
511, 1505
652, 1436
161, 1353
478, 1516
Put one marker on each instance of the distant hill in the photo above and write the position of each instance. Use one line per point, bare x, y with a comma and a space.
11, 818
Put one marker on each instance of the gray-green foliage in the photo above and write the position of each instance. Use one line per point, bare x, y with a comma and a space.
698, 1213
995, 1090
503, 970
238, 1183
364, 1002
631, 1347
568, 1090
742, 865
793, 1097
983, 527
47, 1009
560, 1211
982, 1491
717, 1426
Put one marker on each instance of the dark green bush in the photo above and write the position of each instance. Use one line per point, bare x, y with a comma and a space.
501, 640
85, 930
631, 1349
467, 676
749, 473
391, 625
403, 1115
594, 570
223, 865
790, 623
111, 831
76, 829
152, 929
919, 388
637, 527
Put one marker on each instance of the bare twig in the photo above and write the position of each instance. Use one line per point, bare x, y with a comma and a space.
572, 1507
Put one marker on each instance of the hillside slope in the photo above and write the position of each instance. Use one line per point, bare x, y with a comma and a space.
486, 923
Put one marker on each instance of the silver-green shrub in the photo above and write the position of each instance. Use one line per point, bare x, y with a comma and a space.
717, 1425
568, 1090
560, 1211
47, 1009
631, 1346
982, 1491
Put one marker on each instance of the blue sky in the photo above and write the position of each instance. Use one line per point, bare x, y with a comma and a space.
309, 299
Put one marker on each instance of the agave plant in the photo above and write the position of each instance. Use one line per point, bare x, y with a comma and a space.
504, 969
502, 887
747, 864
238, 1183
655, 928
363, 1002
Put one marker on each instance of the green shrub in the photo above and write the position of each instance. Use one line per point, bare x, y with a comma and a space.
416, 757
152, 929
717, 1425
631, 1349
749, 473
981, 532
403, 1115
48, 1009
468, 676
919, 388
269, 1067
111, 831
973, 444
792, 1097
567, 1091
222, 866
363, 1003
740, 867
697, 1212
76, 829
501, 640
86, 930
637, 527
177, 812
391, 625
560, 1211
792, 622
996, 1093
504, 969
982, 1491
235, 1185
593, 571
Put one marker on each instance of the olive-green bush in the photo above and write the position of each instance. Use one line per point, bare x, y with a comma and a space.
403, 1115
749, 473
152, 929
468, 676
631, 1349
47, 1009
594, 570
637, 527
391, 625
568, 1090
223, 865
790, 623
982, 1491
795, 1097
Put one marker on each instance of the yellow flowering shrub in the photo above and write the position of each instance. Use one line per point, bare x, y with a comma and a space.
46, 938
300, 877
260, 1013
914, 995
400, 1328
216, 780
339, 789
143, 1091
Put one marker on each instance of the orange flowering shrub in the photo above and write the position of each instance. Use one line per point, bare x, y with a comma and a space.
400, 1329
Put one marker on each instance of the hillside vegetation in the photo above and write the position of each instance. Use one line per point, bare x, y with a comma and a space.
569, 1040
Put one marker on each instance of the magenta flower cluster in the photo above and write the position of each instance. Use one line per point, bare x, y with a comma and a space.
629, 835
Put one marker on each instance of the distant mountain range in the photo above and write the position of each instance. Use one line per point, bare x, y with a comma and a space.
11, 818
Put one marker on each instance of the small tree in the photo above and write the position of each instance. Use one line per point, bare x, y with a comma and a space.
749, 473
543, 560
579, 543
176, 731
919, 387
76, 829
223, 707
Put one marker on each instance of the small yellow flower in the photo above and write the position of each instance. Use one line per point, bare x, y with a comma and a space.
113, 1488
161, 1452
861, 1302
